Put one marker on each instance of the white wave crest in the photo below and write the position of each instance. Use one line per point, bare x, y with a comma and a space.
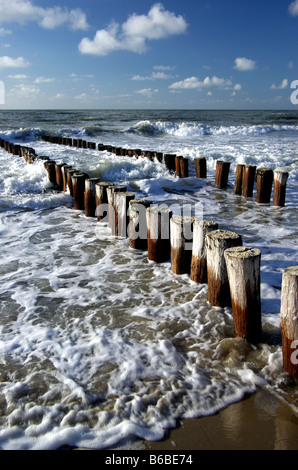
188, 129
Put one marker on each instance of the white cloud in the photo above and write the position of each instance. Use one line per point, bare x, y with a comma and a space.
23, 11
187, 84
164, 68
153, 76
237, 87
135, 32
283, 85
243, 64
44, 80
4, 32
24, 91
6, 62
82, 96
148, 92
291, 65
18, 76
194, 83
293, 8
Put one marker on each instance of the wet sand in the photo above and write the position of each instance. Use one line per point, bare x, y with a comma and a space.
260, 422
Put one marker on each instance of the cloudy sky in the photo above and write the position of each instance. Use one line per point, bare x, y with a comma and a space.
199, 54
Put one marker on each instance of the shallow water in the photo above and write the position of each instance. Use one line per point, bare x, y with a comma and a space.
97, 343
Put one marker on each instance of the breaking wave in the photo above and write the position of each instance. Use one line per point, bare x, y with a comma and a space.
188, 129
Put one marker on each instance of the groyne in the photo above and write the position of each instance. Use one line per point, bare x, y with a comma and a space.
199, 248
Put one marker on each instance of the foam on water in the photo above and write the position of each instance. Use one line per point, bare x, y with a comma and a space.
99, 344
186, 129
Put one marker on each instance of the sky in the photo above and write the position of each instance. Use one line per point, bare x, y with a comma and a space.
116, 54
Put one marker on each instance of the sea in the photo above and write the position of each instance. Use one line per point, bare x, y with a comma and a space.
100, 346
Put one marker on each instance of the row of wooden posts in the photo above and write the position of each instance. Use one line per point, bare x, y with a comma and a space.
246, 176
193, 246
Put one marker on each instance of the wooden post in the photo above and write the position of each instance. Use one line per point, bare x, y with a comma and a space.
31, 158
59, 177
289, 320
201, 167
248, 180
64, 171
122, 207
218, 284
78, 188
170, 162
177, 166
198, 271
51, 169
181, 244
243, 267
101, 200
159, 156
222, 174
112, 210
136, 153
69, 173
279, 192
89, 197
158, 233
264, 180
137, 228
184, 168
238, 180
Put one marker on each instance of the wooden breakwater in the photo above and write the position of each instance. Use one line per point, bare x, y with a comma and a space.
198, 248
246, 176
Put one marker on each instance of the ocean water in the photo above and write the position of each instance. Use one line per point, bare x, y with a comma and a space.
99, 345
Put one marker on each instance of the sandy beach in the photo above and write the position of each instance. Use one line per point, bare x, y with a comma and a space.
260, 422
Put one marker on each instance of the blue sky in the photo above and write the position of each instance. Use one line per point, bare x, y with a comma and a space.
196, 54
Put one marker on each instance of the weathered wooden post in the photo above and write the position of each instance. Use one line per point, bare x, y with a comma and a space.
264, 180
248, 180
89, 197
158, 233
181, 243
222, 174
289, 320
177, 165
64, 170
112, 209
59, 177
200, 167
198, 271
51, 169
238, 179
69, 173
122, 206
170, 162
184, 167
137, 228
279, 191
31, 158
243, 268
78, 188
218, 283
101, 200
159, 156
